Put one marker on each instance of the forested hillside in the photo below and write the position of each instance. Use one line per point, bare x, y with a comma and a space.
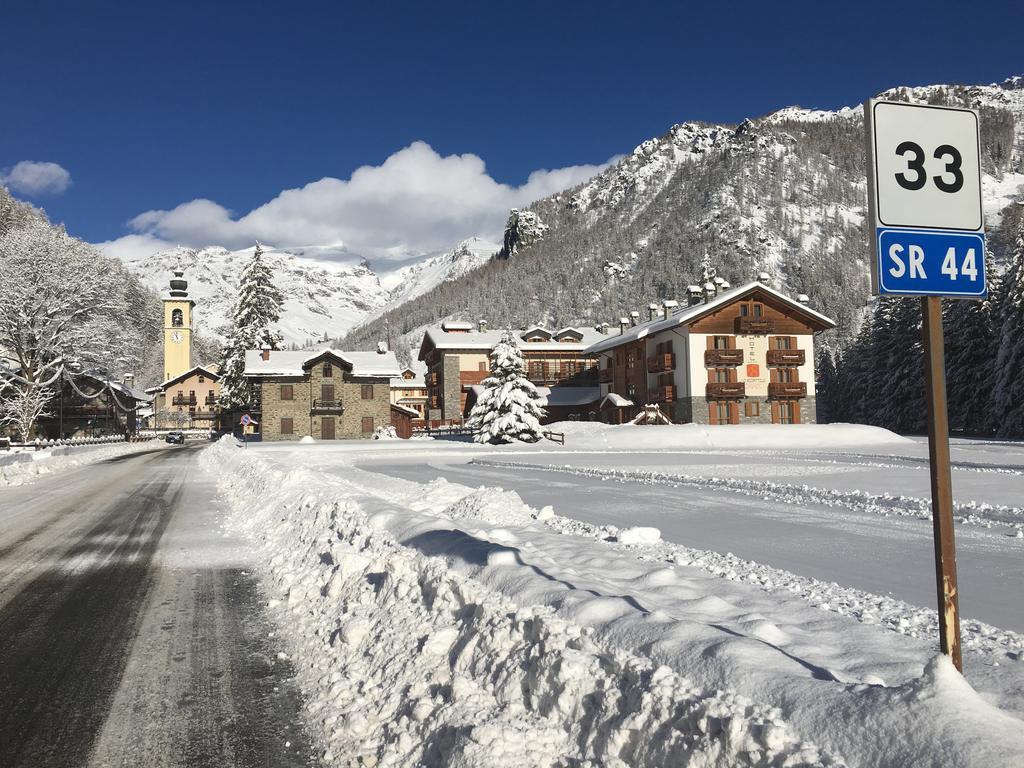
784, 194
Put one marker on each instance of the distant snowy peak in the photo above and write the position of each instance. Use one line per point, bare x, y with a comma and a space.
324, 296
416, 279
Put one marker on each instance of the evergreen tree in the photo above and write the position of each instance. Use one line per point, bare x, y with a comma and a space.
971, 346
509, 407
1008, 393
257, 309
825, 386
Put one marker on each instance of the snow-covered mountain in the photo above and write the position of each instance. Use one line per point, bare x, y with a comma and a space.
328, 290
783, 194
416, 279
323, 294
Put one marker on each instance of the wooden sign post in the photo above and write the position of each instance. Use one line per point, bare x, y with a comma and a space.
928, 240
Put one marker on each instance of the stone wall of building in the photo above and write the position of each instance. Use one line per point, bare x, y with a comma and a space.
274, 408
452, 388
348, 392
695, 410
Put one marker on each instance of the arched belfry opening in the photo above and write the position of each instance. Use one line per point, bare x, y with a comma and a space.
177, 318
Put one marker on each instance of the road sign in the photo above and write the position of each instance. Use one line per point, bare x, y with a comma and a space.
246, 420
924, 200
928, 240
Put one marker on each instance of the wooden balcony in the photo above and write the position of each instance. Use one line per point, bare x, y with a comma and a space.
717, 358
787, 389
469, 378
725, 390
183, 400
662, 395
431, 379
786, 357
605, 375
749, 326
659, 363
327, 406
435, 402
210, 400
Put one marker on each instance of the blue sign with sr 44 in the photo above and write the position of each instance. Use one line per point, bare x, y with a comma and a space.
930, 262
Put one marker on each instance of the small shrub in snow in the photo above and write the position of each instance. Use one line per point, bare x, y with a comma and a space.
387, 432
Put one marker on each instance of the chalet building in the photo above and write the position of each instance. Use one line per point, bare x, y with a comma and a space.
91, 406
410, 391
188, 397
187, 401
329, 395
733, 356
457, 358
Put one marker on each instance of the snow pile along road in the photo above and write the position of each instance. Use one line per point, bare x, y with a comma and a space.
407, 662
22, 468
438, 625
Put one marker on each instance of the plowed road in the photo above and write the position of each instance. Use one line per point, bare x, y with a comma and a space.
131, 631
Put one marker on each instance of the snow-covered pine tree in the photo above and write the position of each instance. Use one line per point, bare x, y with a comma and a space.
509, 407
1008, 392
971, 346
257, 309
825, 387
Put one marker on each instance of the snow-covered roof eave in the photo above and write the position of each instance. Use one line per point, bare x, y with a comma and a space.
690, 314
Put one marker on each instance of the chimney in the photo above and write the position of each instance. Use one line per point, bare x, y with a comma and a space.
693, 295
634, 317
483, 326
709, 291
623, 324
669, 305
129, 380
382, 347
763, 277
653, 310
726, 285
265, 352
803, 298
719, 285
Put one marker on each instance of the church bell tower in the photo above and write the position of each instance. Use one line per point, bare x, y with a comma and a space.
177, 328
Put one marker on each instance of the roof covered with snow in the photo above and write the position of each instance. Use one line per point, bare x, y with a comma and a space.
199, 369
569, 396
285, 363
438, 338
687, 315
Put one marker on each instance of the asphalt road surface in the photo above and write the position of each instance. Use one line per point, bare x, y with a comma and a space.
131, 630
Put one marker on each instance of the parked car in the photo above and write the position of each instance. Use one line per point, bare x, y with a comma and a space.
175, 437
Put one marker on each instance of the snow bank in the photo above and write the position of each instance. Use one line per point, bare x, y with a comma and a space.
22, 468
406, 661
580, 436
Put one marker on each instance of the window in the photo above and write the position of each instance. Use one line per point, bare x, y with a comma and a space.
177, 318
783, 342
367, 424
786, 412
367, 391
482, 366
328, 371
722, 375
287, 392
752, 309
751, 409
287, 425
722, 412
721, 342
202, 379
786, 375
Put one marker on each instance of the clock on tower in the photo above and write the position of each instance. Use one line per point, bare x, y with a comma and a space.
177, 328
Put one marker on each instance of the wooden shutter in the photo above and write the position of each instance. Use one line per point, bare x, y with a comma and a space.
712, 413
367, 424
287, 425
775, 411
734, 412
796, 411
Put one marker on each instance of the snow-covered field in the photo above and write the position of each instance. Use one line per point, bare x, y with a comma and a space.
441, 624
26, 467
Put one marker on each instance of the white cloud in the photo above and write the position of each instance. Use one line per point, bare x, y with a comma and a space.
415, 202
36, 179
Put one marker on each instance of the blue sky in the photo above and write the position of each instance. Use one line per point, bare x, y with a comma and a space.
149, 106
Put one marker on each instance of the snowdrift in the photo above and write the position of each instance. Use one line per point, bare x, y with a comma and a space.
435, 625
22, 468
581, 436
